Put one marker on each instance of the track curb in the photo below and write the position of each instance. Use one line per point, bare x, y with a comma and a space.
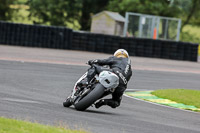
147, 96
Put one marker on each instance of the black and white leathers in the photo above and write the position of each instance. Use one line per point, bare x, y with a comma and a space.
121, 67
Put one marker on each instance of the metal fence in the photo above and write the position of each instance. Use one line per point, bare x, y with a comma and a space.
149, 26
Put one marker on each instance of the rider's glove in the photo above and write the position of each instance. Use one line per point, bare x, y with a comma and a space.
90, 62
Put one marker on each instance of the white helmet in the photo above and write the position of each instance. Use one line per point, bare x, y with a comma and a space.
121, 53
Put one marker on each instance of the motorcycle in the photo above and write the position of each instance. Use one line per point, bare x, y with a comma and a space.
85, 96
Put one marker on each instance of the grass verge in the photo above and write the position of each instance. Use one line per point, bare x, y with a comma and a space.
194, 30
185, 96
18, 126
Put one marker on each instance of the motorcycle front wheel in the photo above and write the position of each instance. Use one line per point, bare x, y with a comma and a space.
89, 99
67, 103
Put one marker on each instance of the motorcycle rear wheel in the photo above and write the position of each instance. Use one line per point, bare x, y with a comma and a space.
89, 99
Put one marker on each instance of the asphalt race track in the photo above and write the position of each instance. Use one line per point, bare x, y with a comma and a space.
34, 90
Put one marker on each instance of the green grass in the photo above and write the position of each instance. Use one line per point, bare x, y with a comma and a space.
199, 51
18, 126
190, 34
185, 96
194, 30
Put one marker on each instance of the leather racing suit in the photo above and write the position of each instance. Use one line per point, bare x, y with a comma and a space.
122, 68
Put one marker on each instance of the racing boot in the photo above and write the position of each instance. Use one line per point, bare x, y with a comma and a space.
100, 103
109, 102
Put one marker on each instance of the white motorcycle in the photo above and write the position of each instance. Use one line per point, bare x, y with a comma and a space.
101, 85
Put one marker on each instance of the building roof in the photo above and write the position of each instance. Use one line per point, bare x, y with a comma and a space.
114, 15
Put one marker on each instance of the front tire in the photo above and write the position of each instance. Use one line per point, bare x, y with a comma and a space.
67, 103
88, 100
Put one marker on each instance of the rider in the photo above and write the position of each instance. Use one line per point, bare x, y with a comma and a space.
120, 64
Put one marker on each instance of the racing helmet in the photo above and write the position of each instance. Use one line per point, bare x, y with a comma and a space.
121, 53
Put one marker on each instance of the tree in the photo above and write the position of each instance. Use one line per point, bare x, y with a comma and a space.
5, 10
153, 7
90, 7
55, 12
192, 11
66, 12
77, 13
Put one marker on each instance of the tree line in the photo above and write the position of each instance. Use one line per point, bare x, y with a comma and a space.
78, 12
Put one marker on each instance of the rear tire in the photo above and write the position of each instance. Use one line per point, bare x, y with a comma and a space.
88, 100
67, 103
